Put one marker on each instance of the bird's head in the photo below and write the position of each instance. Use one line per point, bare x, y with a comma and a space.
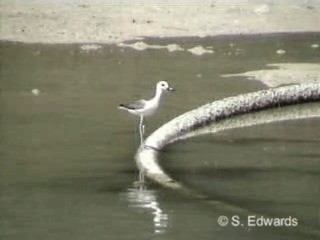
164, 86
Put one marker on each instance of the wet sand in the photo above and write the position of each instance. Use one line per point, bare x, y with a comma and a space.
103, 22
284, 73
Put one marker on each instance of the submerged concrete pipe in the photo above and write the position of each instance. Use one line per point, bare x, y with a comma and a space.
223, 114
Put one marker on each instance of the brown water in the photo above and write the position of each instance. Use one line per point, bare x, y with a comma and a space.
66, 155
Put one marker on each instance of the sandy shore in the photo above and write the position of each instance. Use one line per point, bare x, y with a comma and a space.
68, 22
284, 73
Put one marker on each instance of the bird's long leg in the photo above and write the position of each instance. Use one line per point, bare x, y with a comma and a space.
141, 178
141, 128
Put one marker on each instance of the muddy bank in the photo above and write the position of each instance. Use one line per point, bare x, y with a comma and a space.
104, 22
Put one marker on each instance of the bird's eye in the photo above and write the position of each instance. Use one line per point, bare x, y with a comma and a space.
162, 84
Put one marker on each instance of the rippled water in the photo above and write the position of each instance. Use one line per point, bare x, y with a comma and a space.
66, 155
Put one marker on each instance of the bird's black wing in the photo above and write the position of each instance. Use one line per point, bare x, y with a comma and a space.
135, 105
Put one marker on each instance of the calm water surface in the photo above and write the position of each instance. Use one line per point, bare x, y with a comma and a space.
66, 155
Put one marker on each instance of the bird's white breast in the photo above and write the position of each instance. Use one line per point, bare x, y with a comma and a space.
150, 108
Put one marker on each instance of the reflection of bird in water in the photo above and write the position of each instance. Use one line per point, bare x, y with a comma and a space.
147, 199
144, 108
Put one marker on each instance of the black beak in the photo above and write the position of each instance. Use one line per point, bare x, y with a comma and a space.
170, 89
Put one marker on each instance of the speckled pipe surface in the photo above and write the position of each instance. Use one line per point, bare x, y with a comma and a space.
217, 112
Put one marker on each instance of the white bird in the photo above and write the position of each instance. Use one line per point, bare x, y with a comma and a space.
144, 108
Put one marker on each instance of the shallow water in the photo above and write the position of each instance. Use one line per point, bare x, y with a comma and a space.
66, 155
